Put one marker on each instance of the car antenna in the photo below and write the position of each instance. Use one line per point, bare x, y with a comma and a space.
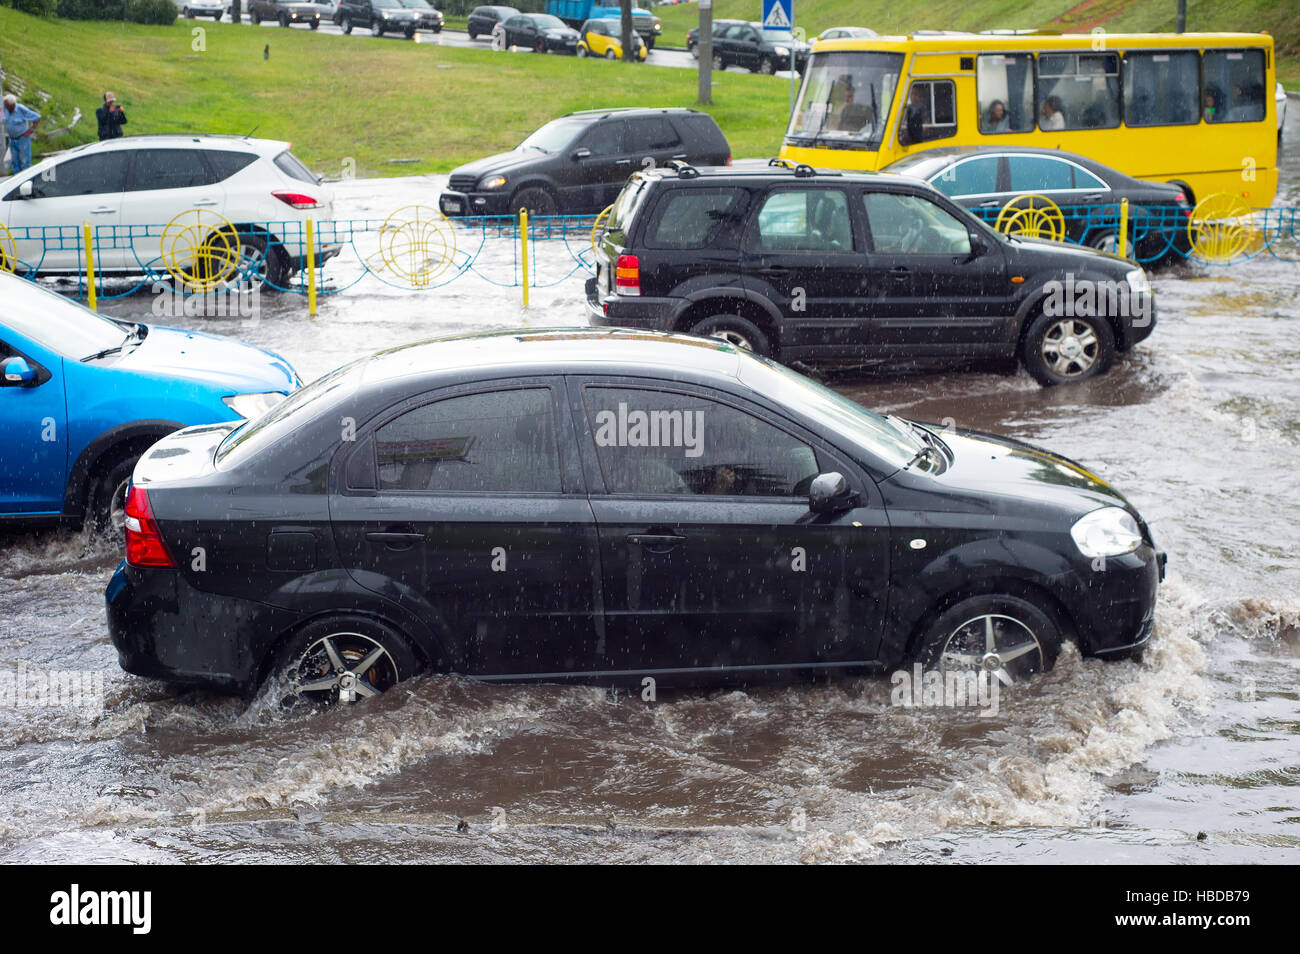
253, 130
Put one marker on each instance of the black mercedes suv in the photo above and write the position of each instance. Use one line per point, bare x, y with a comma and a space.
857, 268
579, 162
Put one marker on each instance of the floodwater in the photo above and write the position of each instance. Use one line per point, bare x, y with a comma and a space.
1191, 754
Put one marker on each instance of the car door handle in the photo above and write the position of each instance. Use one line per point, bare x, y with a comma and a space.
395, 539
900, 272
622, 162
1093, 197
207, 202
656, 542
776, 270
102, 210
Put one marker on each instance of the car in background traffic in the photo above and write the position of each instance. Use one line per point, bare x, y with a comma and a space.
857, 268
986, 178
502, 513
579, 162
1279, 97
577, 12
604, 38
483, 20
749, 46
191, 9
539, 32
693, 35
388, 16
285, 12
129, 188
847, 33
82, 396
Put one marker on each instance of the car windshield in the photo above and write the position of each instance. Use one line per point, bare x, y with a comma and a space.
546, 22
845, 98
777, 36
556, 135
415, 4
55, 322
895, 444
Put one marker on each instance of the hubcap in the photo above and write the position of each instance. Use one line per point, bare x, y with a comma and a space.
342, 668
1070, 348
734, 338
1000, 645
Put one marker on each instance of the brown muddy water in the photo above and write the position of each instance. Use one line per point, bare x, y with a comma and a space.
1190, 755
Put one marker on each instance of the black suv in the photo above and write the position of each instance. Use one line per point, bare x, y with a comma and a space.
388, 16
857, 267
756, 49
579, 162
285, 12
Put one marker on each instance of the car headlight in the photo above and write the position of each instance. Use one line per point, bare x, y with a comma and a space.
658, 26
1137, 281
249, 406
782, 51
493, 182
1110, 531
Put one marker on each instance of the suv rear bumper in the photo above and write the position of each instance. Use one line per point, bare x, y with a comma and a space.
619, 311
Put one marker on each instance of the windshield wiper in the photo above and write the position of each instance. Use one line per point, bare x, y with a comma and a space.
135, 334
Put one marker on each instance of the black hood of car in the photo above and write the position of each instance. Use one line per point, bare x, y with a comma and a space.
1058, 253
501, 163
986, 464
565, 32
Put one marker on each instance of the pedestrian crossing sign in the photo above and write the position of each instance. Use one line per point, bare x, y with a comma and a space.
778, 14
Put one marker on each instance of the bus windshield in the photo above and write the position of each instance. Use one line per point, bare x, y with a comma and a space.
845, 100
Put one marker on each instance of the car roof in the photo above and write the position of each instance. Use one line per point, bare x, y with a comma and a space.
556, 350
632, 111
264, 147
955, 152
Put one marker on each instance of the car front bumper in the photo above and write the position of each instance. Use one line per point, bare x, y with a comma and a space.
474, 203
1113, 601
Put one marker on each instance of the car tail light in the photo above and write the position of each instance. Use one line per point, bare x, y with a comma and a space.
1181, 198
144, 544
298, 200
627, 275
728, 162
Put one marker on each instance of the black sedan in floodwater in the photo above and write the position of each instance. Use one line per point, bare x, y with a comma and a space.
607, 505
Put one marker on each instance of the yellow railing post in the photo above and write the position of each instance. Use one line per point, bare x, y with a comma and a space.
89, 242
523, 242
1123, 228
311, 270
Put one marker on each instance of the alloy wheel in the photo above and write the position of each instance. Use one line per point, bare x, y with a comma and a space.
1070, 347
1000, 645
342, 668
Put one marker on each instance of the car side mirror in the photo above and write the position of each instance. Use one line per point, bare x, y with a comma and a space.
25, 190
830, 493
978, 244
583, 153
18, 373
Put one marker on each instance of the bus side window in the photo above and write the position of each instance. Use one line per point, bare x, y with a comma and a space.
1234, 86
1005, 90
1078, 90
931, 112
1160, 89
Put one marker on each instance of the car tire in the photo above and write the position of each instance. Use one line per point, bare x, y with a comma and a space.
766, 66
437, 29
254, 18
1061, 349
1103, 241
106, 505
734, 330
539, 46
695, 52
409, 34
473, 34
346, 25
718, 63
1024, 639
262, 266
325, 653
284, 20
376, 28
610, 55
537, 200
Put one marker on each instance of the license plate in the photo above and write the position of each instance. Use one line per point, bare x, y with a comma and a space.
451, 205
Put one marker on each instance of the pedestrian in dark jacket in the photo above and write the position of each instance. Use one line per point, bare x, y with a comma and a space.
111, 118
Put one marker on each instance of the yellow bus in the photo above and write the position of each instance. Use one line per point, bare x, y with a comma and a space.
1194, 109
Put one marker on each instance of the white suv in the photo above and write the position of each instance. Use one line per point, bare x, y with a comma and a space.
129, 188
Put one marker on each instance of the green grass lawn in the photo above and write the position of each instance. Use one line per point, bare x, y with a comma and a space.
340, 97
1279, 17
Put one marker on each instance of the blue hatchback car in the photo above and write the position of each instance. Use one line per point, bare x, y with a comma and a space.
84, 395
